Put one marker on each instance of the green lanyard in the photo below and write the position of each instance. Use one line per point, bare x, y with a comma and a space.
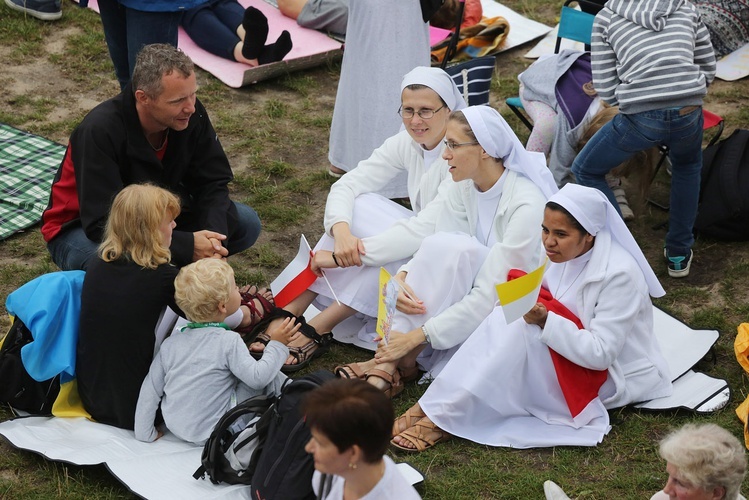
205, 325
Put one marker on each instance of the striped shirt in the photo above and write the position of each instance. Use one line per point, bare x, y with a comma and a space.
651, 54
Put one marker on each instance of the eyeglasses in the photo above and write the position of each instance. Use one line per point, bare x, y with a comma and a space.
452, 145
424, 114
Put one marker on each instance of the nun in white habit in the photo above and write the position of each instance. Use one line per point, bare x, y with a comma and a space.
467, 241
353, 210
502, 387
385, 39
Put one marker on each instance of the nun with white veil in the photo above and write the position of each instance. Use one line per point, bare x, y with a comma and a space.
353, 211
588, 345
467, 240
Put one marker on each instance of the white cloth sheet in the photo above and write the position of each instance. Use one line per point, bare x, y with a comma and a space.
159, 470
357, 287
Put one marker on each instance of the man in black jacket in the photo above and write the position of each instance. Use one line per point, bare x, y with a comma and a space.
155, 131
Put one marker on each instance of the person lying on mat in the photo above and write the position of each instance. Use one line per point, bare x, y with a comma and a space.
204, 369
353, 211
157, 131
326, 15
125, 292
703, 462
226, 29
467, 240
350, 423
588, 345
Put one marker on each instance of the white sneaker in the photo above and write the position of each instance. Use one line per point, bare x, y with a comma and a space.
621, 200
554, 492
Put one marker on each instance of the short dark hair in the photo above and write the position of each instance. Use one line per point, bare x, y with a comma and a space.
551, 205
419, 86
156, 60
351, 412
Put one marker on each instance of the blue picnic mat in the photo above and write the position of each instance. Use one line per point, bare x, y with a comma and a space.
28, 164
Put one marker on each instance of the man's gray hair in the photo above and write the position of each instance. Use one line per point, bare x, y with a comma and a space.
156, 60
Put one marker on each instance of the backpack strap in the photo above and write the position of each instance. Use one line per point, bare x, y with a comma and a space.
324, 486
200, 473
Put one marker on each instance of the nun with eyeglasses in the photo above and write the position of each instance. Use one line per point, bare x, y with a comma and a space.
464, 242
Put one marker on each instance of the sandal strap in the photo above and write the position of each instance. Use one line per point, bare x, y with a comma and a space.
249, 298
394, 387
262, 338
341, 371
390, 378
418, 437
310, 332
410, 418
273, 313
302, 353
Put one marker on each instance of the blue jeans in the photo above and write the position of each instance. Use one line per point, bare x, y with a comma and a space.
72, 249
625, 135
128, 30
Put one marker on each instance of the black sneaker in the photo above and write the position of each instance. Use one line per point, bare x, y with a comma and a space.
678, 265
46, 10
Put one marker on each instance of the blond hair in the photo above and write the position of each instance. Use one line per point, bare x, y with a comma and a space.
132, 229
707, 456
200, 287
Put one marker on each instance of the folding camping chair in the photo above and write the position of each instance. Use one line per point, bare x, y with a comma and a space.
710, 121
575, 25
473, 78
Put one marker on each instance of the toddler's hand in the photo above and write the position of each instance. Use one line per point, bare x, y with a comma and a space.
285, 331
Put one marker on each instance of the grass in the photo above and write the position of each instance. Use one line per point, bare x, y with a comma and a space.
276, 135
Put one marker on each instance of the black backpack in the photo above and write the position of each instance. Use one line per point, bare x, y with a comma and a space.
233, 449
285, 469
723, 211
18, 389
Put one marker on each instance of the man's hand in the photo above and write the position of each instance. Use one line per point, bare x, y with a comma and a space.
207, 244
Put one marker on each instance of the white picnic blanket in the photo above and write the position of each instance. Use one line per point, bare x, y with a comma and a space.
159, 470
682, 347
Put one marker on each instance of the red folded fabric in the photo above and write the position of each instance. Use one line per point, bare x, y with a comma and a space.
579, 385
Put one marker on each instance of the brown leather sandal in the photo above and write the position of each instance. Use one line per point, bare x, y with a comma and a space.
424, 435
350, 371
394, 385
257, 313
408, 419
316, 347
